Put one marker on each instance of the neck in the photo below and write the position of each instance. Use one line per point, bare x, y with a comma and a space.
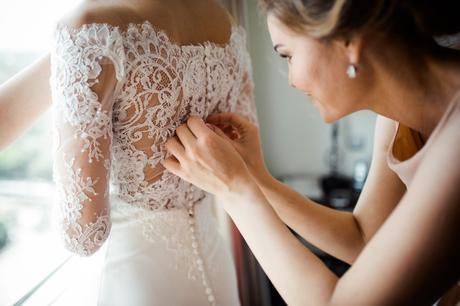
417, 90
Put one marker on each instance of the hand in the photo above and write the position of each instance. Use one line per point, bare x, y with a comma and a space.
245, 138
205, 159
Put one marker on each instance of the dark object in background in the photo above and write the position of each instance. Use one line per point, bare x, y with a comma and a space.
338, 192
3, 236
334, 181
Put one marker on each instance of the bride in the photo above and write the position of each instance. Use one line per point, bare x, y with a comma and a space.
124, 75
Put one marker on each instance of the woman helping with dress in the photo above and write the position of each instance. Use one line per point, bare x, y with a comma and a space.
402, 238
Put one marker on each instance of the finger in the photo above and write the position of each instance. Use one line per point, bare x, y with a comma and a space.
231, 131
173, 166
232, 124
228, 118
212, 127
175, 147
228, 130
218, 131
186, 137
197, 126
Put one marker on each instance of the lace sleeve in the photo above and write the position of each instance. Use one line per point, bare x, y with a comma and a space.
86, 65
246, 105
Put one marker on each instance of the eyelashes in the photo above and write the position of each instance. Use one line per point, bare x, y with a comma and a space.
284, 56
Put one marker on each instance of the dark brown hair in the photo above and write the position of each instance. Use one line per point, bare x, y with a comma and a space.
329, 18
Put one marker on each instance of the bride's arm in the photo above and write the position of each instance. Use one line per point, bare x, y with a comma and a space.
86, 65
22, 99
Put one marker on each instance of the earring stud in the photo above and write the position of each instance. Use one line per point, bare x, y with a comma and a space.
352, 71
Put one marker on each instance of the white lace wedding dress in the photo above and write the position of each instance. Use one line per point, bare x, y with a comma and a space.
118, 95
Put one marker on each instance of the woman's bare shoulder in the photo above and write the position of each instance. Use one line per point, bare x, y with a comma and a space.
99, 12
187, 22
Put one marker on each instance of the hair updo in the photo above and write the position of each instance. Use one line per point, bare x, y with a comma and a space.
412, 19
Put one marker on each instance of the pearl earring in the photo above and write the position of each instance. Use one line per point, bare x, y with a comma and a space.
351, 71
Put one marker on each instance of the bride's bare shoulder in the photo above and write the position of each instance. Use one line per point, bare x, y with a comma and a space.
185, 22
94, 11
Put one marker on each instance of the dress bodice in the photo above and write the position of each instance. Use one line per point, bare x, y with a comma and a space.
118, 95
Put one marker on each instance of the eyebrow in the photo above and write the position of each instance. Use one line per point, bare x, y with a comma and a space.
277, 46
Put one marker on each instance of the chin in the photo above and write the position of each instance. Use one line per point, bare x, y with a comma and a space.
327, 116
331, 114
329, 119
332, 117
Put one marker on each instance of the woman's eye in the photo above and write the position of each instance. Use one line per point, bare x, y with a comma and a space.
286, 56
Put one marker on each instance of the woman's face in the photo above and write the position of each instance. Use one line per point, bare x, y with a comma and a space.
318, 69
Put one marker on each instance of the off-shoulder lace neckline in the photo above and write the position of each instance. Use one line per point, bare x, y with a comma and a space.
123, 30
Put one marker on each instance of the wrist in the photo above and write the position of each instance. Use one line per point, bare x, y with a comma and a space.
261, 176
241, 188
241, 184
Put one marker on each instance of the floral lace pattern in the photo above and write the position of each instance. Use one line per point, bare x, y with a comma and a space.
118, 95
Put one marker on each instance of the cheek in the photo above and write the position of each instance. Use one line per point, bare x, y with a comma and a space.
308, 75
324, 77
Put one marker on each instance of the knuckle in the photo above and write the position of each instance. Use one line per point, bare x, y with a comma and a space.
193, 150
207, 140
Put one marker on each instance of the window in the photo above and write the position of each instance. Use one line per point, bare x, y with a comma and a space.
29, 247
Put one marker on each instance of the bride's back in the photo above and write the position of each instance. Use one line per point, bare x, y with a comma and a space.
171, 59
186, 22
124, 76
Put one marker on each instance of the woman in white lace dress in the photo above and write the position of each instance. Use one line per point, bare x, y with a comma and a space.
123, 77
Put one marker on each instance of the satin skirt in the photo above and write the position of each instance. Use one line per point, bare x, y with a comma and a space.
158, 258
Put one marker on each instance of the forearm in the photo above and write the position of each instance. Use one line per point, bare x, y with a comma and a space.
22, 99
335, 232
300, 277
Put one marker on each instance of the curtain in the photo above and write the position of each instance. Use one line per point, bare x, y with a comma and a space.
237, 9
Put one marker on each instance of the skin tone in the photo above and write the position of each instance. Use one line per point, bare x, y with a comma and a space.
20, 108
393, 237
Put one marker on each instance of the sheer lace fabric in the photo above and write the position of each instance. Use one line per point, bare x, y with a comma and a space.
118, 95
